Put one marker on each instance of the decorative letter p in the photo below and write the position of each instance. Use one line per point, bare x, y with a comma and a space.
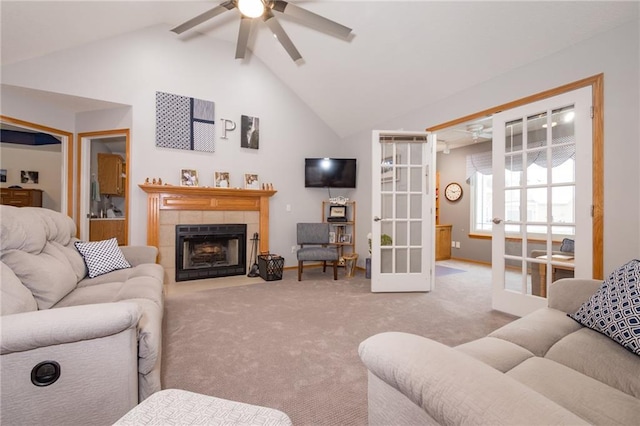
227, 126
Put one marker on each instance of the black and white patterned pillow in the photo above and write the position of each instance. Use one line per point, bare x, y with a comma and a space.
614, 310
102, 256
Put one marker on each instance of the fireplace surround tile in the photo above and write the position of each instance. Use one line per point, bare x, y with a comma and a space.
167, 233
170, 217
191, 216
168, 206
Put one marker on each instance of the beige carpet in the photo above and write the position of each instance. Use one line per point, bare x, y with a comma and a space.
293, 345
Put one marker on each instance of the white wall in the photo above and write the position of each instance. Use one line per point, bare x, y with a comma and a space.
153, 60
46, 160
141, 63
614, 53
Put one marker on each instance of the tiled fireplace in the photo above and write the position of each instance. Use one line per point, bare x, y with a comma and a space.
169, 206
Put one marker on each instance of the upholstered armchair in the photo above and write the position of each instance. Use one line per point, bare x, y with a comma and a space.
313, 239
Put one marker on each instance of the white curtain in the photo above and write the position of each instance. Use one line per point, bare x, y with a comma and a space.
482, 162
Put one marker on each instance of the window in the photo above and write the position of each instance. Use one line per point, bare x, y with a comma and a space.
562, 196
481, 203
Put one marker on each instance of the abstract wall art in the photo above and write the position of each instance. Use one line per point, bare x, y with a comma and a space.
184, 123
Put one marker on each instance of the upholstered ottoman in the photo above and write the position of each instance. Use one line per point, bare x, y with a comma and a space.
179, 407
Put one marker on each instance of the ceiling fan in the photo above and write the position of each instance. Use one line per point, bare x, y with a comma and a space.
251, 10
477, 131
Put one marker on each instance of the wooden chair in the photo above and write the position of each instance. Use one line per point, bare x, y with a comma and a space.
313, 239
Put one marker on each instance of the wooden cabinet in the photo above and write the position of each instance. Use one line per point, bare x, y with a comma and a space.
22, 197
111, 174
443, 242
104, 229
343, 232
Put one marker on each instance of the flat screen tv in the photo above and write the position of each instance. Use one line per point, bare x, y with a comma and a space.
330, 172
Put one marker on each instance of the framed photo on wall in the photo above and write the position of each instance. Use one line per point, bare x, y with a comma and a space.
28, 176
250, 131
188, 177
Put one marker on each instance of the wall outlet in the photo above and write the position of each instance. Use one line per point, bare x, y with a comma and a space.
288, 208
453, 244
457, 244
293, 249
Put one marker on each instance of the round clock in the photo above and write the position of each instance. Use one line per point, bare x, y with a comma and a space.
453, 191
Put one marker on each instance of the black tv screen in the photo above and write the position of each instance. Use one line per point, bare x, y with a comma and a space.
330, 172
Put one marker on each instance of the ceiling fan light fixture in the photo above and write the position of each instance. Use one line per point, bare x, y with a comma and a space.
251, 8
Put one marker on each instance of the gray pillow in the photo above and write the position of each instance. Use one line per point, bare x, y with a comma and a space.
567, 246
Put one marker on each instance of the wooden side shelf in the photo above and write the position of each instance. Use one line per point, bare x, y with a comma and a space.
344, 232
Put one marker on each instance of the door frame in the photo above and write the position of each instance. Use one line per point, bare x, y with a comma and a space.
597, 89
67, 181
84, 174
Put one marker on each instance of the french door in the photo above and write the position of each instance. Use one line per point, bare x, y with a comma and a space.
542, 195
403, 225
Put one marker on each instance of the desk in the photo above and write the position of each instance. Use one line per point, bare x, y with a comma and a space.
566, 264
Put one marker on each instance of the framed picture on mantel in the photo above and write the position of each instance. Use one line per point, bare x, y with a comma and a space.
188, 177
222, 180
251, 181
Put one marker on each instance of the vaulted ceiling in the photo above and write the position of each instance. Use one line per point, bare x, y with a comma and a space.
404, 54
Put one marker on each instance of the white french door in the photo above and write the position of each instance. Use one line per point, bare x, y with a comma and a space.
403, 224
542, 194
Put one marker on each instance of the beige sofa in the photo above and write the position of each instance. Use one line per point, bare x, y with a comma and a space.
544, 368
103, 335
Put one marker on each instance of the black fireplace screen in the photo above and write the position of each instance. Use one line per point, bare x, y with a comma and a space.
210, 251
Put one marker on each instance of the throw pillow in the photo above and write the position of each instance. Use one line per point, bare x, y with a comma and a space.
102, 256
568, 246
614, 310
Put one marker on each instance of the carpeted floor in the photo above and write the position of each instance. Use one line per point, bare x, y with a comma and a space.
441, 270
293, 345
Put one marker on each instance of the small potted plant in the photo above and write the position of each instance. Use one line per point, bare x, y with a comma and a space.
385, 240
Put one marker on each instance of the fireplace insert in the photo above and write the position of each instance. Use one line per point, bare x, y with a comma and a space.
210, 251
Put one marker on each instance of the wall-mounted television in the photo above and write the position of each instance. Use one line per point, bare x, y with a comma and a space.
330, 172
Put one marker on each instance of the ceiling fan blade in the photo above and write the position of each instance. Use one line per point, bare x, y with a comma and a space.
211, 13
312, 19
243, 37
282, 36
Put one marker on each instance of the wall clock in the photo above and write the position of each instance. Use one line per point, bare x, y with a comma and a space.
453, 191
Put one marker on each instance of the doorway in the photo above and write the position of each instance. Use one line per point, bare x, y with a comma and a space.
479, 125
104, 191
60, 179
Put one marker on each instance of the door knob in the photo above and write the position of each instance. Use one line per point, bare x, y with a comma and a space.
376, 219
496, 220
